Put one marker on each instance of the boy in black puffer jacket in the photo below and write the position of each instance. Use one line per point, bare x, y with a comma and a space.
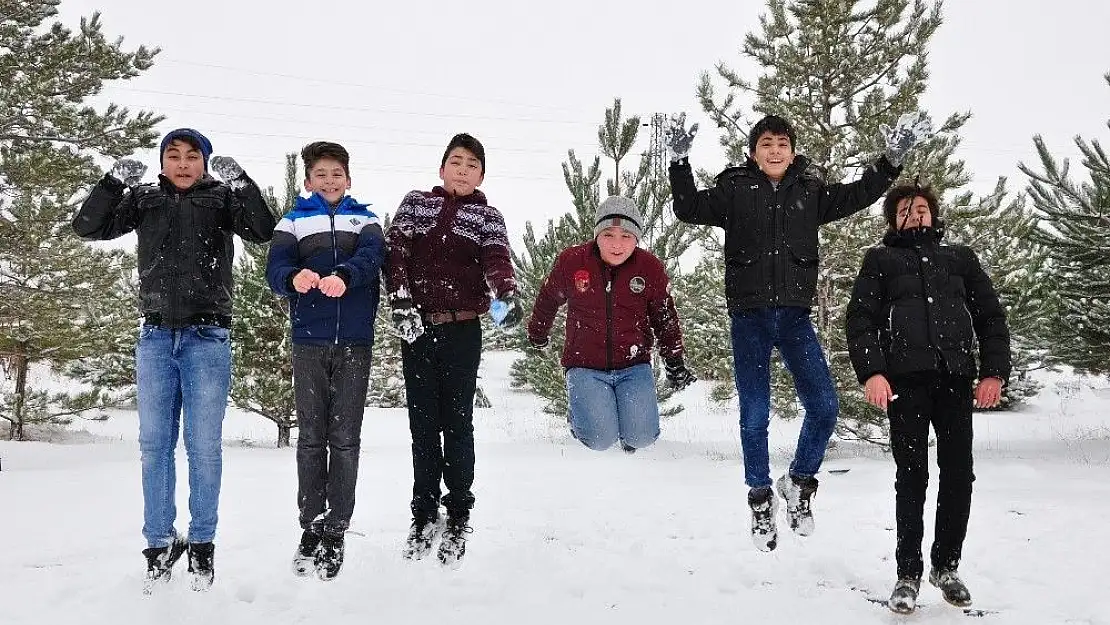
918, 309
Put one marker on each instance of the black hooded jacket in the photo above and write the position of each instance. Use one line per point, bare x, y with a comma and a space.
771, 230
185, 242
918, 305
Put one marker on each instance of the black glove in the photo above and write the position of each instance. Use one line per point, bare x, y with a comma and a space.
406, 319
515, 312
678, 376
539, 342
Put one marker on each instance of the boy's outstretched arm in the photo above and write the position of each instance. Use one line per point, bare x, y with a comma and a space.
863, 320
703, 208
109, 211
989, 319
837, 201
552, 295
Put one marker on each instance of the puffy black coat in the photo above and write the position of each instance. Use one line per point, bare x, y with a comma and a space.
185, 242
771, 231
918, 305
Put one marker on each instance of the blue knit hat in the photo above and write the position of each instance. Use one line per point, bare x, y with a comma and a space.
199, 139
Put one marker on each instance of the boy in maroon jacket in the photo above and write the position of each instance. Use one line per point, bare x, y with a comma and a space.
447, 250
618, 302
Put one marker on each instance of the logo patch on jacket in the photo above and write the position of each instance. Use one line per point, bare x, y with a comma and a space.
637, 284
582, 280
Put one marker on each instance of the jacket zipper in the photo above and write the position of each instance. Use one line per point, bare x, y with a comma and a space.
175, 219
335, 262
609, 319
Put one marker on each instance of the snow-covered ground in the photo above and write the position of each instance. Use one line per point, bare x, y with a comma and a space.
563, 534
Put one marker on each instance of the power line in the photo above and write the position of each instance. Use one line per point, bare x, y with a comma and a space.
300, 78
357, 109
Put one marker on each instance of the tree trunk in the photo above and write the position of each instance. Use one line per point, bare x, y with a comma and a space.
283, 434
20, 363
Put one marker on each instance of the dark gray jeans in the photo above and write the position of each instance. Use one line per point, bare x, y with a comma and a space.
329, 386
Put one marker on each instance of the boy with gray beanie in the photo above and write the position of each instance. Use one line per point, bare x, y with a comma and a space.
618, 302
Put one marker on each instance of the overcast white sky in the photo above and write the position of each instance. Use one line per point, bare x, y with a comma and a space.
393, 81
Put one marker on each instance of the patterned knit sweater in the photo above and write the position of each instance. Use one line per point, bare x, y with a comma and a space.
448, 253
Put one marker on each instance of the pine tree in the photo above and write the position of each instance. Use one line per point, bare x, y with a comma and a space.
1077, 234
837, 70
262, 356
668, 239
387, 378
57, 294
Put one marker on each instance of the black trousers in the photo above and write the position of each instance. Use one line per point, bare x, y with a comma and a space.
329, 387
441, 373
946, 402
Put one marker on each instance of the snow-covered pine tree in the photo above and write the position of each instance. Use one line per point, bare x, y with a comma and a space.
1076, 218
668, 239
837, 70
387, 377
262, 364
54, 289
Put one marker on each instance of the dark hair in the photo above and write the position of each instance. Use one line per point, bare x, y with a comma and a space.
897, 194
774, 125
472, 145
318, 150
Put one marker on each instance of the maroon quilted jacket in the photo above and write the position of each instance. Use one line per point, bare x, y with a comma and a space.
614, 314
447, 253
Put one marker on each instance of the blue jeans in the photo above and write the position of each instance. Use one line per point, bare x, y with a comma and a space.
182, 372
607, 405
755, 332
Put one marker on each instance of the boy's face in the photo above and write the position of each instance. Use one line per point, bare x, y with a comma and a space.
462, 173
773, 154
182, 164
913, 212
328, 178
616, 245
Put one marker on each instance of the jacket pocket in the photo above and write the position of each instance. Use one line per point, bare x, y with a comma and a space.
801, 272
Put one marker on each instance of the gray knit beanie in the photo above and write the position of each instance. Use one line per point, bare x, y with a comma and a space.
621, 212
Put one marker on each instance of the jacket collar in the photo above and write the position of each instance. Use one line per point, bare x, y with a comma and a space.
204, 182
750, 169
914, 237
474, 198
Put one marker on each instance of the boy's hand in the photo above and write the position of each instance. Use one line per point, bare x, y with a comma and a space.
305, 280
128, 171
539, 343
678, 138
229, 171
678, 376
911, 129
877, 391
407, 321
988, 393
332, 286
506, 311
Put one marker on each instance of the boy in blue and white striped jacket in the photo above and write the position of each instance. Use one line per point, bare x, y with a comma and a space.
326, 258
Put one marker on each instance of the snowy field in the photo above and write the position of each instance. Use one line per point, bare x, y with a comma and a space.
566, 535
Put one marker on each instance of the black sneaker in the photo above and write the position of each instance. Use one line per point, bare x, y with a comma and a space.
628, 449
764, 508
903, 599
202, 558
159, 563
951, 586
422, 534
453, 546
329, 557
304, 560
798, 492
